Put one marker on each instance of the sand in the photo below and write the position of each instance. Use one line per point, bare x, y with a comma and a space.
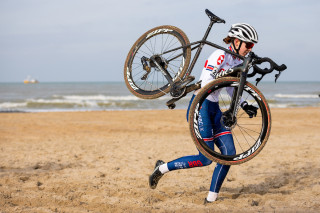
100, 162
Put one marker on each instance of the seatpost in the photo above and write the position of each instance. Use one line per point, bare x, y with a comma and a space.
208, 30
196, 56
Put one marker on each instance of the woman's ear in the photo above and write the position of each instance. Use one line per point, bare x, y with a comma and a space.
236, 42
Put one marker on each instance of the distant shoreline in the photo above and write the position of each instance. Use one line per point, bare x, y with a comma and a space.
111, 96
133, 110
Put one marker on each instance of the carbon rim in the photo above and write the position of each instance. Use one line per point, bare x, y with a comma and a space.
249, 134
155, 43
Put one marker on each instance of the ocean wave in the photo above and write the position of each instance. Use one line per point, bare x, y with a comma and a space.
98, 98
80, 102
125, 102
301, 96
9, 105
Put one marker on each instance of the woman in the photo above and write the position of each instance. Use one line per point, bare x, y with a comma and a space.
241, 38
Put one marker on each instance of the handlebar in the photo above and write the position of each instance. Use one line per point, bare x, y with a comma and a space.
273, 66
257, 70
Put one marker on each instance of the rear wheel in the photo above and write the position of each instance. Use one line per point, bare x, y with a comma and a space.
142, 76
249, 134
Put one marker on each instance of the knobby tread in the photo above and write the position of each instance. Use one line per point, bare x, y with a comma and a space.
202, 92
131, 52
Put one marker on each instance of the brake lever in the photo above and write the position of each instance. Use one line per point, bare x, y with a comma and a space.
255, 68
279, 69
259, 79
276, 77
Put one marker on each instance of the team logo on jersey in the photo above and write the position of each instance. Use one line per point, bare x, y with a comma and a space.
222, 70
210, 68
220, 59
205, 65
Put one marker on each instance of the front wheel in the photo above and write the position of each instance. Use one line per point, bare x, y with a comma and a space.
142, 75
249, 134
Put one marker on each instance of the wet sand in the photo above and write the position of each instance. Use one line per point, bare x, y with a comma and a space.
100, 162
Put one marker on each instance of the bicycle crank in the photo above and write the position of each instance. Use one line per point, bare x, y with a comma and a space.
171, 103
178, 89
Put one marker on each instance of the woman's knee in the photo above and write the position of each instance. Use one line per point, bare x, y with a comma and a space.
204, 160
231, 151
226, 145
227, 150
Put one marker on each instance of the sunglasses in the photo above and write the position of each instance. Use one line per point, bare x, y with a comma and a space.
249, 45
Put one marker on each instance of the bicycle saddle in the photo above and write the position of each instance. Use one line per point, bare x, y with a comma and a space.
214, 18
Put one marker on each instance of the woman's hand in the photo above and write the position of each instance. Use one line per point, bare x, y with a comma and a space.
249, 109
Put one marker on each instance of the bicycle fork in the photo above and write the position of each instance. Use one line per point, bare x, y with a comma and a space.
237, 95
230, 116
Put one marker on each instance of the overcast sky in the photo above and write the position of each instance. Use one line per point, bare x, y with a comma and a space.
88, 40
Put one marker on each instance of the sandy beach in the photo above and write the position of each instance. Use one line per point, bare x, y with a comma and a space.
100, 162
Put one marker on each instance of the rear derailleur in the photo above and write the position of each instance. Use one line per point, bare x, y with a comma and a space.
147, 64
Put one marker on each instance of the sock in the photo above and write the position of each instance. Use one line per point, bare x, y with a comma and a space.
164, 168
212, 196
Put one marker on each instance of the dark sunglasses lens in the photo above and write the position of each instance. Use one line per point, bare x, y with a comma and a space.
249, 45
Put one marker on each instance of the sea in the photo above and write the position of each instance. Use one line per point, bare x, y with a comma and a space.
109, 96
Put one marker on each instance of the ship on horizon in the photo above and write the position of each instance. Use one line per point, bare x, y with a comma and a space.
30, 80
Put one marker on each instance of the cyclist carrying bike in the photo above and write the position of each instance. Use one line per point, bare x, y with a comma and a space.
241, 38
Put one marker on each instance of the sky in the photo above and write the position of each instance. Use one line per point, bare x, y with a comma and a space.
88, 40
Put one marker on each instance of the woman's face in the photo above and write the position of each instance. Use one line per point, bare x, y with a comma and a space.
245, 48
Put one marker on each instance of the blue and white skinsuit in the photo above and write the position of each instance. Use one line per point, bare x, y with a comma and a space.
210, 127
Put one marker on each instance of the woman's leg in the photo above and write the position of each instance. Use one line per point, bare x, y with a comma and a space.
224, 141
206, 131
191, 161
226, 146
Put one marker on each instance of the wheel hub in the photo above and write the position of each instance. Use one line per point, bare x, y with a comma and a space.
160, 61
227, 120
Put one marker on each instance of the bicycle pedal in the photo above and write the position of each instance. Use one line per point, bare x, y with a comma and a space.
172, 106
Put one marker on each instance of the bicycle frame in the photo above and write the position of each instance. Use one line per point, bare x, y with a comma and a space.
244, 68
200, 45
180, 87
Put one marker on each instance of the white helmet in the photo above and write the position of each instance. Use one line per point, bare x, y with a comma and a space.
244, 32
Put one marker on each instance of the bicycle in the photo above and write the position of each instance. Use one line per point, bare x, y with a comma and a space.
158, 64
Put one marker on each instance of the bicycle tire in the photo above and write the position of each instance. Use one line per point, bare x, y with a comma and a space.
149, 45
247, 146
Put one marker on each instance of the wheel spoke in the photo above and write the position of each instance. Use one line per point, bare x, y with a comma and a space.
247, 133
153, 46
